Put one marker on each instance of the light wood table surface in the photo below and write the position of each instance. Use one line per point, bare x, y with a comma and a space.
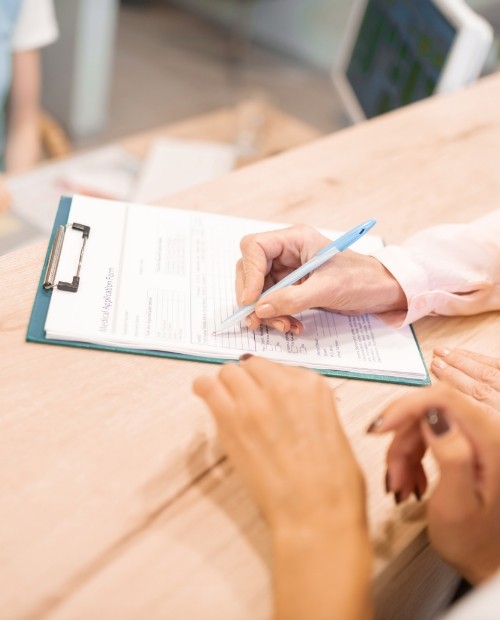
116, 501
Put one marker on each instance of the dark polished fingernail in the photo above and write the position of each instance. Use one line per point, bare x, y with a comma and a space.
417, 494
387, 482
437, 421
375, 425
245, 356
397, 497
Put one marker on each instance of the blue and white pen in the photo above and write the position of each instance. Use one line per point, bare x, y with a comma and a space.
313, 263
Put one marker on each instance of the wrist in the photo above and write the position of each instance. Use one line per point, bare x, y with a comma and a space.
322, 573
319, 533
388, 294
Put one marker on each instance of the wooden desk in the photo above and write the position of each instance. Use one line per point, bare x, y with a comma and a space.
116, 501
276, 131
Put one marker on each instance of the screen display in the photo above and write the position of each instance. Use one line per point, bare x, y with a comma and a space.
399, 53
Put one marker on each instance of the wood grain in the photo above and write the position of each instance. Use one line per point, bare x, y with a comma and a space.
116, 499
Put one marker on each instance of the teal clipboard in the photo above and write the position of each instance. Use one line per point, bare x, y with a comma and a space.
36, 326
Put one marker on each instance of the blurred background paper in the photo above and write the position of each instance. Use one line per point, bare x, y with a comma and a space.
108, 172
172, 165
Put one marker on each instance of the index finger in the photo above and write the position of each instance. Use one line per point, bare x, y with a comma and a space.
257, 254
486, 360
275, 253
474, 374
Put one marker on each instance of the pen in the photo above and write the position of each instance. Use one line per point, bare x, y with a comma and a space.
313, 263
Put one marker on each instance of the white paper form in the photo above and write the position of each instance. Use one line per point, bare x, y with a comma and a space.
109, 171
163, 279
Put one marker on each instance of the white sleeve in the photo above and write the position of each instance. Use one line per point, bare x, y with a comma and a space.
481, 604
452, 269
36, 25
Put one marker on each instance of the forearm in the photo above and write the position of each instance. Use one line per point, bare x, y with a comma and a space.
23, 146
322, 574
23, 149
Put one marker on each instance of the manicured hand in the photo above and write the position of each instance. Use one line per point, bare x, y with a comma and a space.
280, 429
463, 509
350, 283
474, 374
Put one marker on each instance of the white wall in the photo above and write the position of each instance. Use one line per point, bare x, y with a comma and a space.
77, 69
307, 29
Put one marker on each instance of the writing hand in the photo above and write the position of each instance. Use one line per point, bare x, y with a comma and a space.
463, 508
350, 283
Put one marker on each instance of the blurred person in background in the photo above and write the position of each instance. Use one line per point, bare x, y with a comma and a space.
25, 27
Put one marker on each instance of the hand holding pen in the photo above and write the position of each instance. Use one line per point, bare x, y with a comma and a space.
349, 283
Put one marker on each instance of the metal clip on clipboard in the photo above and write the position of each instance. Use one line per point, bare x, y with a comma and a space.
55, 255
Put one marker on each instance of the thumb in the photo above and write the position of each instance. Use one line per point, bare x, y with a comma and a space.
456, 492
289, 300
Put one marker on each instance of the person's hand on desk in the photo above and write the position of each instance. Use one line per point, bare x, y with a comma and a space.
477, 376
464, 437
280, 429
350, 283
474, 374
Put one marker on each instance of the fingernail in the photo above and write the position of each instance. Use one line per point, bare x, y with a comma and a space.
387, 482
295, 329
439, 363
397, 497
245, 356
279, 325
437, 421
417, 494
375, 425
265, 311
442, 351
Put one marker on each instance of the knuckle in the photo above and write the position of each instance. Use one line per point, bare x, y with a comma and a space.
309, 382
458, 454
290, 300
227, 372
303, 229
247, 242
489, 374
481, 391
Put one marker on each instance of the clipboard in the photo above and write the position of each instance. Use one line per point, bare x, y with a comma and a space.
36, 326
